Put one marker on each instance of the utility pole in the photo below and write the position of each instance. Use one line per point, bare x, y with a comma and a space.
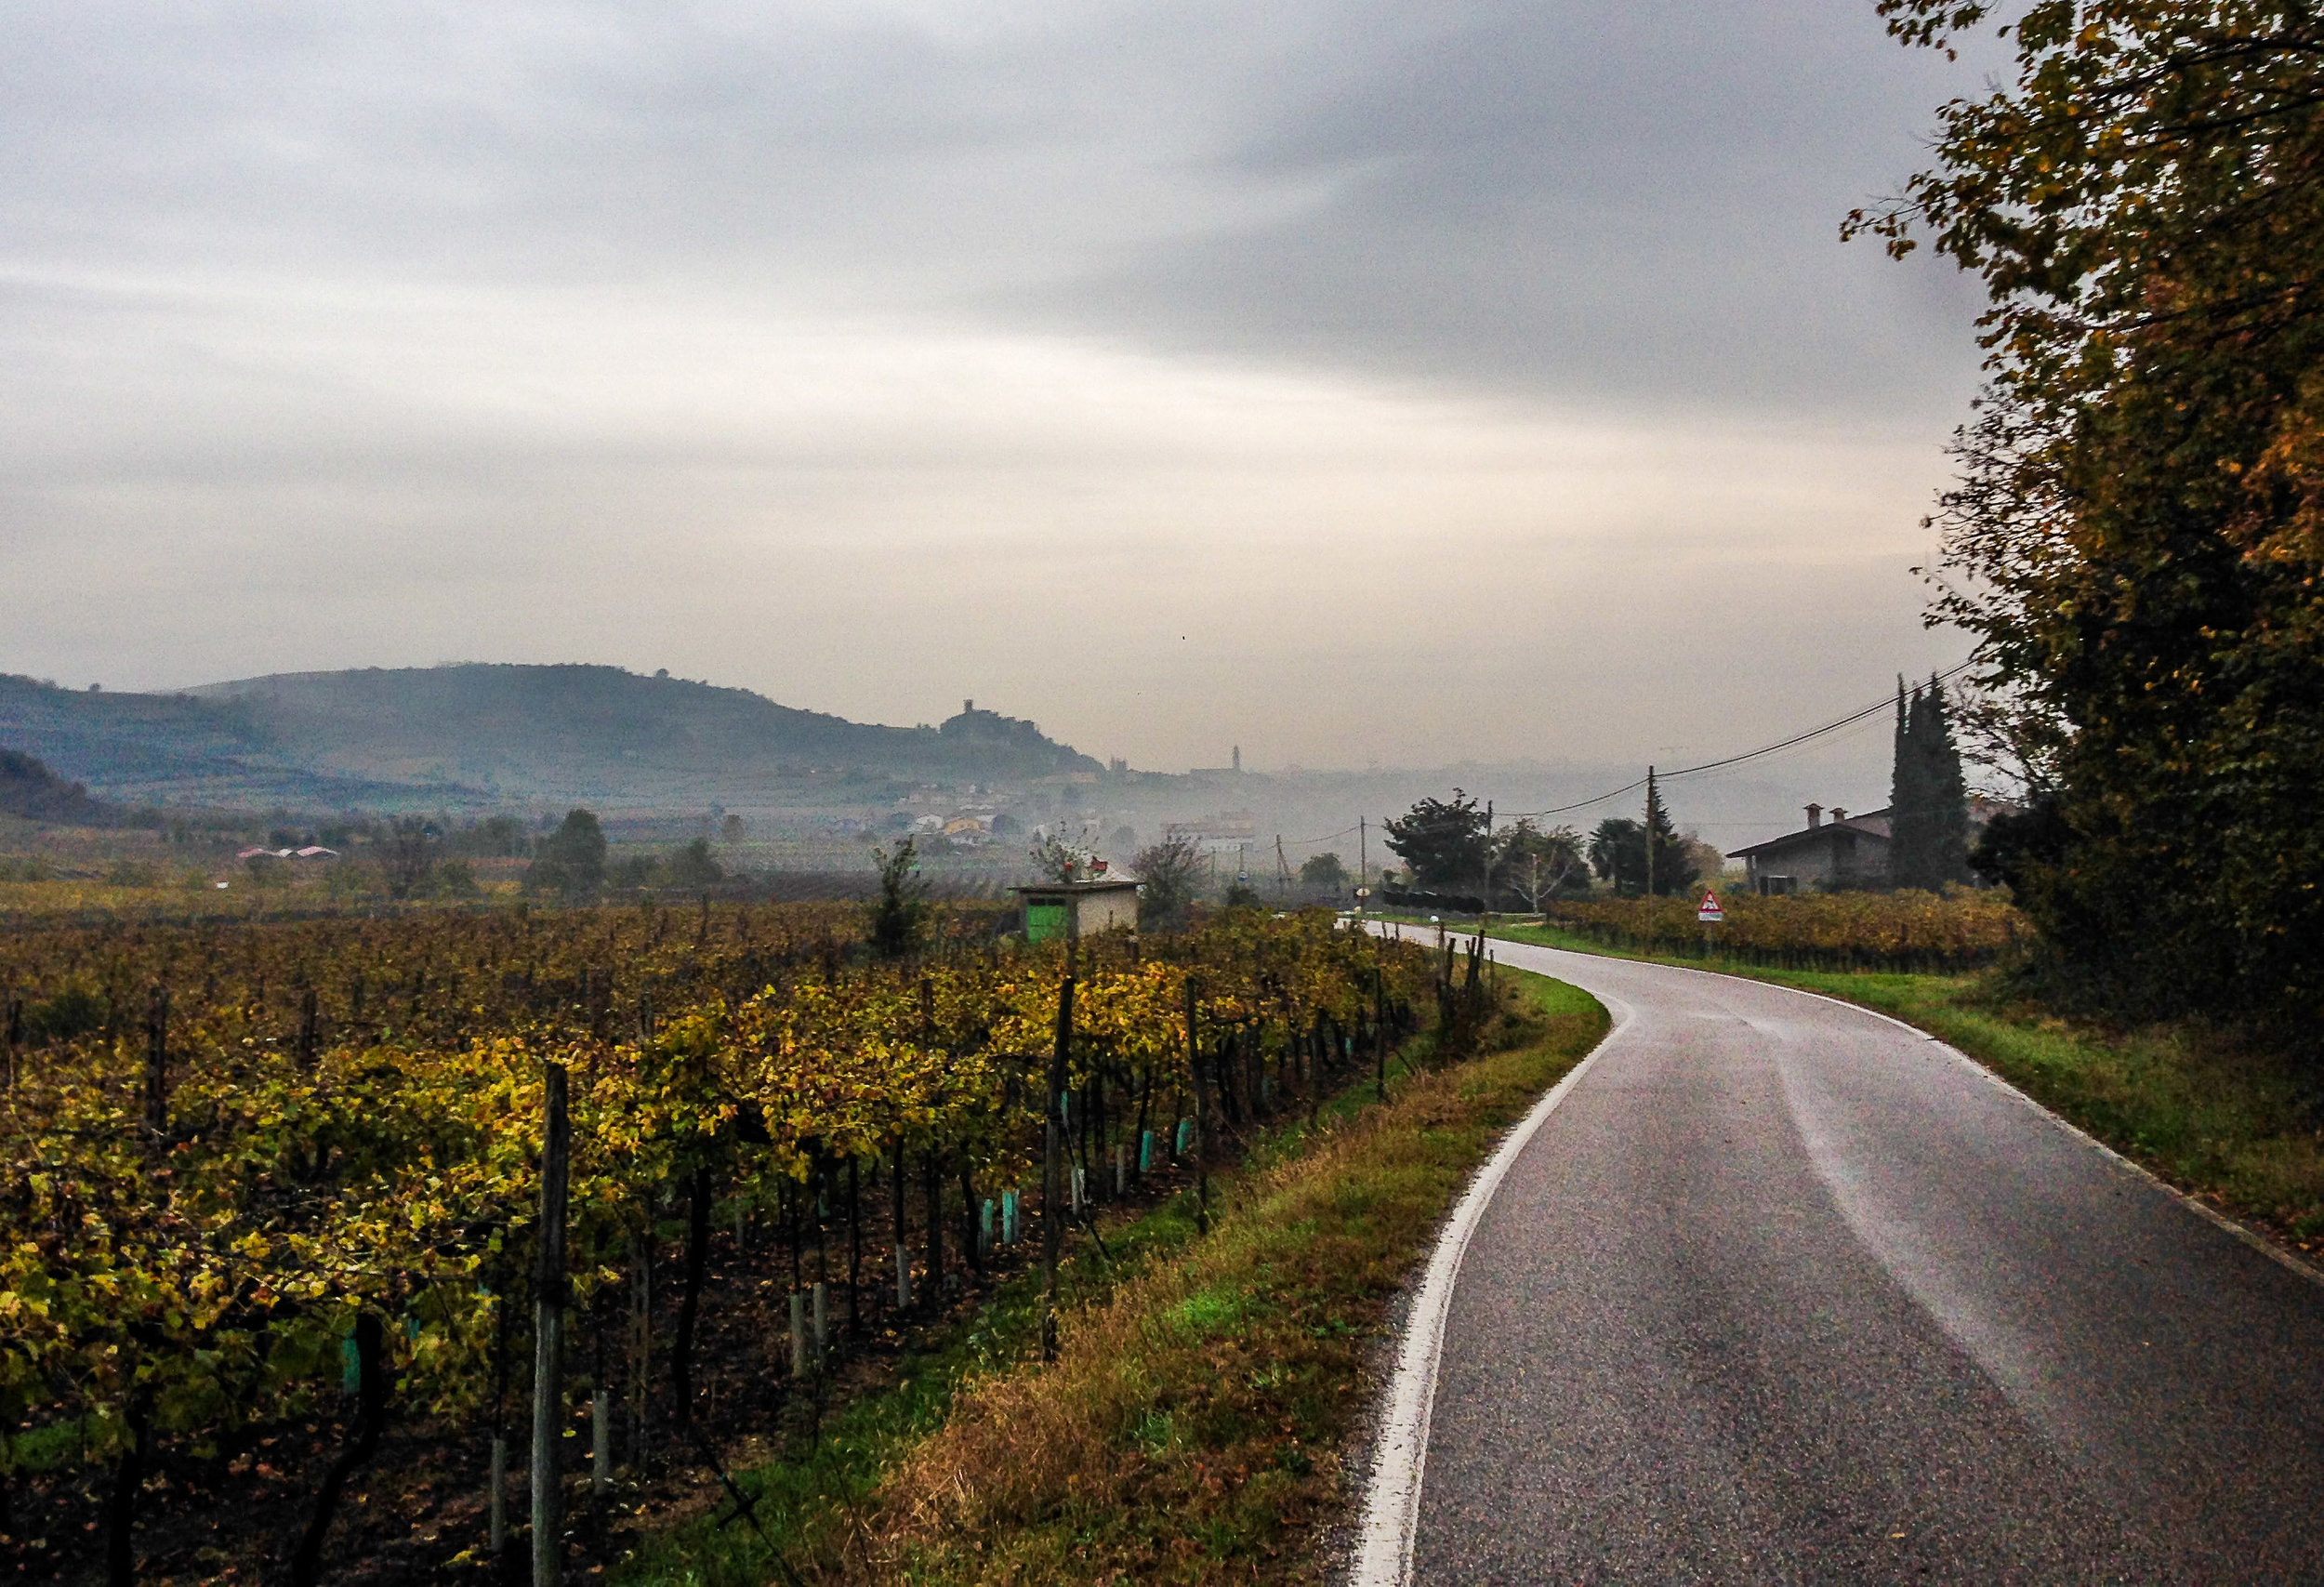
1484, 902
1363, 851
1282, 867
1653, 801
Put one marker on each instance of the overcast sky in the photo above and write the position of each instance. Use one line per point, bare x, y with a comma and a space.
1362, 383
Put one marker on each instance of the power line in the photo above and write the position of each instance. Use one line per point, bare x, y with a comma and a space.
1325, 839
1798, 738
1850, 719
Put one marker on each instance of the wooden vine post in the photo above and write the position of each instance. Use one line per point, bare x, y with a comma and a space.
310, 1029
157, 1063
1202, 1118
548, 1336
1052, 1190
640, 1335
1380, 1028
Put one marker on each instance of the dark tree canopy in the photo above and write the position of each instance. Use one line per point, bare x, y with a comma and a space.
407, 855
1446, 842
899, 915
1170, 876
29, 789
572, 859
695, 865
1619, 851
1324, 873
496, 837
2137, 539
1929, 799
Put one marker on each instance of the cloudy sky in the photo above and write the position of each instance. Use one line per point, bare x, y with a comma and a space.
1364, 383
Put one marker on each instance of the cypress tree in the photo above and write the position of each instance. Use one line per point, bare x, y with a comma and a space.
1673, 868
1908, 839
1929, 802
1943, 790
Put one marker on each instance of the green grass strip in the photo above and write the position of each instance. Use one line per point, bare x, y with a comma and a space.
2214, 1117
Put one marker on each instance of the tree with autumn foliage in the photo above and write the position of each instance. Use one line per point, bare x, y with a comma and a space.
2138, 529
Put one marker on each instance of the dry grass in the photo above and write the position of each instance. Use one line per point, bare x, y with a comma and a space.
1195, 1426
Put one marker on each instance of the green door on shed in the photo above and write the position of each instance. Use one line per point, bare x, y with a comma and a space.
1043, 921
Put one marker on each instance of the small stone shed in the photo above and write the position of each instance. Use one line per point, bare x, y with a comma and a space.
1078, 908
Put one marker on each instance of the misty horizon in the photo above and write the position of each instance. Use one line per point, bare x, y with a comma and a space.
1360, 386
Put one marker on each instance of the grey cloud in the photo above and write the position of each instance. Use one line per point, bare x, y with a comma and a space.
1636, 201
337, 334
1587, 199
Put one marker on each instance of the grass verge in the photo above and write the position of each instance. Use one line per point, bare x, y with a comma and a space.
1196, 1423
2213, 1116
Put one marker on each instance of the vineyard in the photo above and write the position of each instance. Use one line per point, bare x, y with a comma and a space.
1834, 931
292, 1202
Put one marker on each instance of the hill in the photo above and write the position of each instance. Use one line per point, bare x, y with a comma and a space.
30, 790
479, 734
173, 749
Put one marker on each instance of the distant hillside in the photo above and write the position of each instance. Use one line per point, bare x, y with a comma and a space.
475, 733
32, 790
173, 749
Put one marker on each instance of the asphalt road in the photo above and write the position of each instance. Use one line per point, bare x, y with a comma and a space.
1782, 1292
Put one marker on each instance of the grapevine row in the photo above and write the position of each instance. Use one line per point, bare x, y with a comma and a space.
312, 1166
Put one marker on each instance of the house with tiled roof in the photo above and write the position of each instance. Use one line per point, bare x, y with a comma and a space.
1847, 851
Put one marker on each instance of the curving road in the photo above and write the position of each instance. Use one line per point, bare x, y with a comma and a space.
1779, 1290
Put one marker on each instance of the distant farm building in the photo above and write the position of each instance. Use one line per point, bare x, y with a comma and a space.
1847, 851
1223, 830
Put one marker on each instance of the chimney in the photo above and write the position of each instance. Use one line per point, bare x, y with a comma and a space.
966, 705
1814, 817
1838, 815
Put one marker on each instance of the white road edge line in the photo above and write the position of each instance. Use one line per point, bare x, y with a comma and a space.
1392, 1502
